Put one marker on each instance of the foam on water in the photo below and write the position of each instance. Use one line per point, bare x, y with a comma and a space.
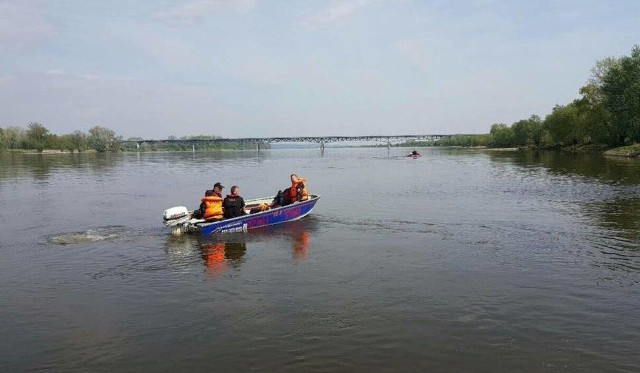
89, 236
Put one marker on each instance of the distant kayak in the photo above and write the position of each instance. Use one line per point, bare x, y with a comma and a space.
414, 155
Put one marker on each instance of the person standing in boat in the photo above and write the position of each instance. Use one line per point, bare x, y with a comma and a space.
213, 203
298, 190
233, 204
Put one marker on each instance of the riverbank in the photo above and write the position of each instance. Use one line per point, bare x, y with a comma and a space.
58, 152
44, 151
631, 151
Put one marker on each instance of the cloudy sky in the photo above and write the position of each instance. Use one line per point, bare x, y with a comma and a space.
240, 68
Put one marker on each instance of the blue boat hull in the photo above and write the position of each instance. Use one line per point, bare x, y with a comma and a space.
260, 219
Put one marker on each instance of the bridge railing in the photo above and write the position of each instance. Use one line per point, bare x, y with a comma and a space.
295, 139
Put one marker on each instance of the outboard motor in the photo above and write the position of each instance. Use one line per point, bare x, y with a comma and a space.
175, 218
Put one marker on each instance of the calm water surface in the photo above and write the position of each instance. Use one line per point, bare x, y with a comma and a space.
461, 261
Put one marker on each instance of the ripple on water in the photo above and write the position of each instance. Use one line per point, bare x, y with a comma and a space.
88, 236
100, 234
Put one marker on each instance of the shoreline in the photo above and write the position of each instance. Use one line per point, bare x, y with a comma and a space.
628, 151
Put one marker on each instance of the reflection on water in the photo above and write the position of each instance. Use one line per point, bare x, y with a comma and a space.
220, 253
42, 166
602, 190
619, 214
218, 256
300, 246
617, 234
596, 166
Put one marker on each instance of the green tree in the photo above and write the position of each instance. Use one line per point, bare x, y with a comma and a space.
78, 141
13, 137
621, 90
55, 142
593, 122
593, 90
37, 136
562, 124
528, 131
103, 139
502, 135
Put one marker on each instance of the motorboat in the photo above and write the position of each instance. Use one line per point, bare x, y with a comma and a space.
261, 212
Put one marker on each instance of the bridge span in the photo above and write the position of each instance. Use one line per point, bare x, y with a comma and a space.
388, 139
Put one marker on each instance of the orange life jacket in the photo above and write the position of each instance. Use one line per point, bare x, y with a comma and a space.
293, 191
213, 207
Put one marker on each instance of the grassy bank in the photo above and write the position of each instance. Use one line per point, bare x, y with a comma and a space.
625, 151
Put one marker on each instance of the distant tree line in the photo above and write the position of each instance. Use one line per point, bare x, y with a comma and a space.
606, 115
37, 137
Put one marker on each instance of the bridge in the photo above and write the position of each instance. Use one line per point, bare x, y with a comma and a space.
322, 140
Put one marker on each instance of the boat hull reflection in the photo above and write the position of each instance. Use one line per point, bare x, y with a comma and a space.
220, 254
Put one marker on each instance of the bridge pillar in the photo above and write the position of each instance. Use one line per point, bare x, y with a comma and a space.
322, 145
193, 148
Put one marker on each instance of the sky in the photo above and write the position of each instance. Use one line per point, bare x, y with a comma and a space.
264, 68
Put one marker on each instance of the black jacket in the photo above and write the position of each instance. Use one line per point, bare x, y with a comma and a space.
233, 206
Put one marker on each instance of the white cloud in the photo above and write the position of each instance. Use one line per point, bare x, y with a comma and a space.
196, 10
336, 11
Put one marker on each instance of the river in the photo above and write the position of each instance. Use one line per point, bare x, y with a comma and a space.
460, 260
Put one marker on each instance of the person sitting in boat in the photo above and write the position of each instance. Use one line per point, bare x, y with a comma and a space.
298, 190
213, 204
279, 199
233, 204
199, 213
415, 152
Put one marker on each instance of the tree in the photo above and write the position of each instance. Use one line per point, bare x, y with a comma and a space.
37, 136
593, 122
562, 124
528, 131
621, 90
103, 139
13, 137
78, 140
501, 134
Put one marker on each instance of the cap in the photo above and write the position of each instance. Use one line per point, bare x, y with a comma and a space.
218, 185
